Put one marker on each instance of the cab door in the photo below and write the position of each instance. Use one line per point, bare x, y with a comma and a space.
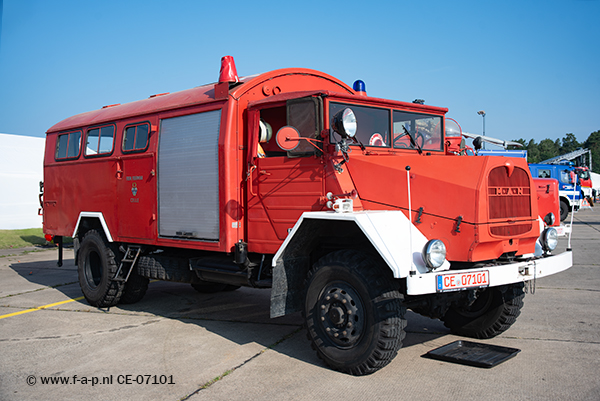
282, 185
136, 185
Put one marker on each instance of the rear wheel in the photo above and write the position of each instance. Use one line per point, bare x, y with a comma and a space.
135, 288
353, 313
96, 268
492, 313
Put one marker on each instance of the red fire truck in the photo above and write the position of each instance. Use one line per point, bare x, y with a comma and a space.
350, 208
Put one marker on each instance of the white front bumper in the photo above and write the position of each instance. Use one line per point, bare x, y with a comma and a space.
499, 275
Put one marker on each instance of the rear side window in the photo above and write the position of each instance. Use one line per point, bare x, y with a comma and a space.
136, 138
68, 145
544, 173
100, 141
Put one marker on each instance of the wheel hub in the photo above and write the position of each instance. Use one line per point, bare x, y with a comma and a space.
341, 314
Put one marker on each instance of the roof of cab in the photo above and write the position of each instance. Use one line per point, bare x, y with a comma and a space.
189, 97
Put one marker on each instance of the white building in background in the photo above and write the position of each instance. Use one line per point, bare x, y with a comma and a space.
21, 170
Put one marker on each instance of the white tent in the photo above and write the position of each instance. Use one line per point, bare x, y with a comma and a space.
595, 182
21, 170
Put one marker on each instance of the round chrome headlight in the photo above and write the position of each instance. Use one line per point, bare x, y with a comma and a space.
434, 253
344, 123
549, 219
549, 239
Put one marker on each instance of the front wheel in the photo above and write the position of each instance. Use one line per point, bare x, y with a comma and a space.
353, 313
492, 313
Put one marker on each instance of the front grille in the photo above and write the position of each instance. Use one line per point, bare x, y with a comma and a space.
509, 197
512, 230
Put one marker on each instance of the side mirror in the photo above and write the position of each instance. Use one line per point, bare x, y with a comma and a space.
288, 138
344, 123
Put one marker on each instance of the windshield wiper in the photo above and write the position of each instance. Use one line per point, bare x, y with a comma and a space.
413, 142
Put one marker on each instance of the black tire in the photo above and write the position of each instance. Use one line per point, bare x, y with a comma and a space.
353, 313
96, 268
564, 210
165, 267
135, 288
492, 313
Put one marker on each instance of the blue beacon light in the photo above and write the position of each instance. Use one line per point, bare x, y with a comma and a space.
360, 88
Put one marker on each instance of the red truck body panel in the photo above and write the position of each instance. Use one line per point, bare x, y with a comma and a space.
479, 217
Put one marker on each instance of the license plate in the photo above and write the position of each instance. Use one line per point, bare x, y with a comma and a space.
459, 281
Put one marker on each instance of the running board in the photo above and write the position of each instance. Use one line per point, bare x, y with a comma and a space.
224, 270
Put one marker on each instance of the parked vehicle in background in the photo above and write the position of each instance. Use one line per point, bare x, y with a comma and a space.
568, 187
585, 181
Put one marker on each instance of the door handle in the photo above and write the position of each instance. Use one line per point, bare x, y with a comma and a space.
264, 172
119, 169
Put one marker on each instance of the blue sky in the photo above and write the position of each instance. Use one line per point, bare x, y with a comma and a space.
533, 66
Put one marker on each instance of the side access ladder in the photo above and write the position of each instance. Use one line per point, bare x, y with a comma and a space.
129, 260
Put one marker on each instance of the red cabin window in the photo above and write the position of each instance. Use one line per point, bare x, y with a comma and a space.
99, 141
136, 138
67, 146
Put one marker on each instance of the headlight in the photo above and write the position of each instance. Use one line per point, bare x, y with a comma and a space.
434, 253
549, 239
344, 123
549, 219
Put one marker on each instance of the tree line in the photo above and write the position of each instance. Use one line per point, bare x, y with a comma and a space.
547, 148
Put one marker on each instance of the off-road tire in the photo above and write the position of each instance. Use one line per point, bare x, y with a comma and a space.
97, 267
351, 295
492, 313
135, 288
165, 267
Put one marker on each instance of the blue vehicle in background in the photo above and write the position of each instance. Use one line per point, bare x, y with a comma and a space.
569, 190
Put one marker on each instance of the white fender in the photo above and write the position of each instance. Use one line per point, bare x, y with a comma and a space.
388, 231
97, 215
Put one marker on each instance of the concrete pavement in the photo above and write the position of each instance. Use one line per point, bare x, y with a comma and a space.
179, 344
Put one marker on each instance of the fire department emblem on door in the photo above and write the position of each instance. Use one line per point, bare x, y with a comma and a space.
134, 189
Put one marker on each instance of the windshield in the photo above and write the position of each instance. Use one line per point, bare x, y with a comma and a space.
584, 174
409, 130
425, 130
373, 124
566, 177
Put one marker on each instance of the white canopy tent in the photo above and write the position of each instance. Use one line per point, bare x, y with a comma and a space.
21, 170
595, 182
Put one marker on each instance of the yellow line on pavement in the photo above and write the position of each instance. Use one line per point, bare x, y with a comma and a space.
40, 307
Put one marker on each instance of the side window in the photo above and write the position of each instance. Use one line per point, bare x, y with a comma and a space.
305, 115
99, 141
565, 177
68, 145
135, 138
544, 173
271, 120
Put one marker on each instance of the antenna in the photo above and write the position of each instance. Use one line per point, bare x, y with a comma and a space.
412, 271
